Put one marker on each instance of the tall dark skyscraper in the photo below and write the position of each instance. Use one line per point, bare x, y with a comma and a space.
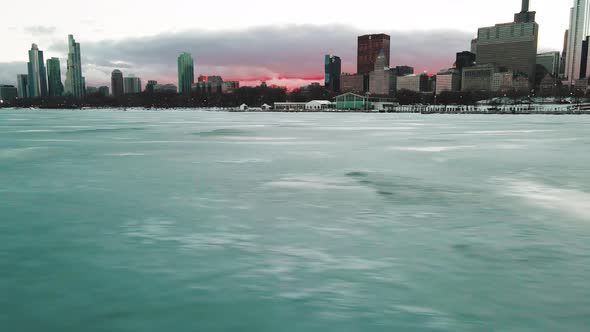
511, 46
56, 88
37, 79
186, 73
369, 47
117, 84
563, 55
23, 85
464, 59
333, 70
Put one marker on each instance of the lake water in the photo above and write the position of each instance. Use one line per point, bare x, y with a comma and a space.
257, 222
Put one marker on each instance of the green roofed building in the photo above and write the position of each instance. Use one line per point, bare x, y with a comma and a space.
353, 102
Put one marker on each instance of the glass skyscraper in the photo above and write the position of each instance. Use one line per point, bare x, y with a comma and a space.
74, 80
578, 31
186, 73
56, 88
332, 70
37, 79
22, 85
117, 85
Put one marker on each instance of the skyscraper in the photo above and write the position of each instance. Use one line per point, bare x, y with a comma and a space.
563, 56
381, 80
333, 70
74, 80
579, 29
549, 61
132, 85
186, 73
37, 79
512, 46
369, 47
23, 86
56, 88
117, 85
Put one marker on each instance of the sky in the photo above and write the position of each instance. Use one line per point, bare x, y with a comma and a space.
280, 42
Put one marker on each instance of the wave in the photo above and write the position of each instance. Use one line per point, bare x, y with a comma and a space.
432, 148
315, 183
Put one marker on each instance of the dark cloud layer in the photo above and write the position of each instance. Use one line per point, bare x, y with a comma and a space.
9, 70
290, 51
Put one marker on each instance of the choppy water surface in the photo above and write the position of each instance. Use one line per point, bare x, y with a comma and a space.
198, 221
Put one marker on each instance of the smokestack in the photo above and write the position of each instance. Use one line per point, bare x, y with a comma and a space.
525, 6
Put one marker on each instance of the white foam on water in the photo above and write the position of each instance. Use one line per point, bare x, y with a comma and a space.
506, 132
315, 183
362, 128
125, 154
434, 149
36, 131
244, 161
259, 138
570, 201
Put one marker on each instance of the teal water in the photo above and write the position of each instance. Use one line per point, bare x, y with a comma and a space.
202, 221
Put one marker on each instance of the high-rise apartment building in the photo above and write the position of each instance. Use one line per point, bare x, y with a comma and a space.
23, 86
512, 46
579, 29
56, 88
37, 79
103, 90
75, 83
117, 84
132, 85
186, 73
333, 71
369, 47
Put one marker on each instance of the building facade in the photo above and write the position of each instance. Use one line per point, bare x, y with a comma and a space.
230, 86
103, 90
23, 86
415, 83
579, 29
381, 80
186, 73
512, 46
478, 78
369, 47
352, 83
75, 84
170, 88
402, 70
549, 61
332, 72
448, 81
117, 83
55, 87
8, 93
37, 79
464, 59
132, 85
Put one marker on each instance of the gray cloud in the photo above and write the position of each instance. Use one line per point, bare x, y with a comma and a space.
9, 70
40, 30
291, 51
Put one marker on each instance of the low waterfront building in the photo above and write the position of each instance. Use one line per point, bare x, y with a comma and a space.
318, 105
448, 80
355, 102
290, 106
8, 94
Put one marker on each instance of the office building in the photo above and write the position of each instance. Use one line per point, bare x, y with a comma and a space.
149, 87
381, 80
186, 73
230, 86
23, 86
75, 83
549, 61
8, 94
55, 87
415, 83
402, 70
132, 85
332, 72
579, 29
91, 90
352, 83
478, 78
208, 84
448, 81
474, 46
165, 88
37, 79
103, 90
512, 46
369, 47
117, 83
464, 59
563, 58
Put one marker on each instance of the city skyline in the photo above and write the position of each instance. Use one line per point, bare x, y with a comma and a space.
273, 52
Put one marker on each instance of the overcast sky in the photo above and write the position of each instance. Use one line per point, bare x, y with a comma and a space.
281, 42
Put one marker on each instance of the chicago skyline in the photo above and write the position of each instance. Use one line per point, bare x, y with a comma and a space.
292, 66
